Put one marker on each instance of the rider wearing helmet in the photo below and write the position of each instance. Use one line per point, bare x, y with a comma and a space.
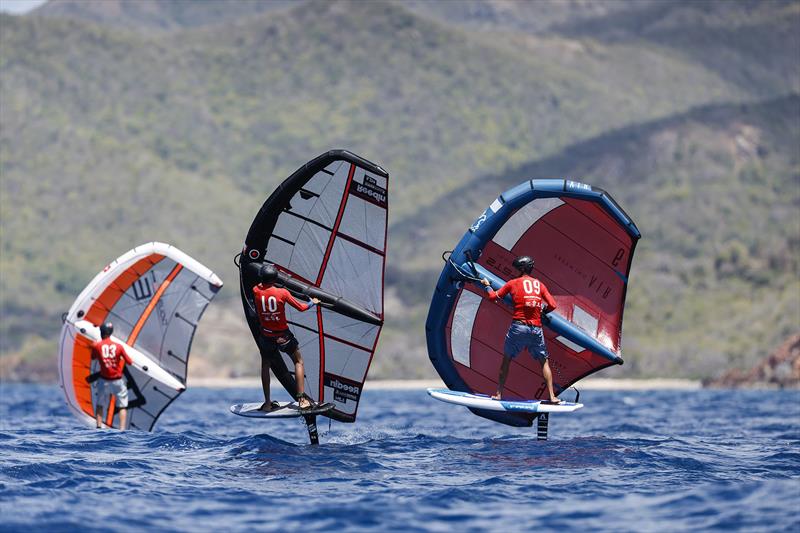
275, 336
112, 358
531, 299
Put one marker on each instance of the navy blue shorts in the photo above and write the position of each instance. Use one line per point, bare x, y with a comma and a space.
522, 336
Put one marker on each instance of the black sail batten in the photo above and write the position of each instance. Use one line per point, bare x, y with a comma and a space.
265, 220
336, 240
331, 301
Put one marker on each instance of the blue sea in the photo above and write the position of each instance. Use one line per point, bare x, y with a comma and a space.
629, 461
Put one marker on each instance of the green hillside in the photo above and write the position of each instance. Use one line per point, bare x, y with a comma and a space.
751, 43
159, 15
715, 193
525, 17
111, 137
754, 44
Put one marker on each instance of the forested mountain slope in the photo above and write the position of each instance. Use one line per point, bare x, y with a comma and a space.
111, 137
716, 195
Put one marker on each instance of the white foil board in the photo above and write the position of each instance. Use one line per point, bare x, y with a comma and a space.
482, 401
286, 410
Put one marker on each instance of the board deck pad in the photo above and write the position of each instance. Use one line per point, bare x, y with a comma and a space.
482, 401
286, 410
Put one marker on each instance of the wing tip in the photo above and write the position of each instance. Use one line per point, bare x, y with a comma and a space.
358, 160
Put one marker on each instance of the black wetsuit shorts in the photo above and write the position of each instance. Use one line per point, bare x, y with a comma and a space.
284, 342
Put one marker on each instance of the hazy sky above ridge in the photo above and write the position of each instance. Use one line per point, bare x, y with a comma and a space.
19, 7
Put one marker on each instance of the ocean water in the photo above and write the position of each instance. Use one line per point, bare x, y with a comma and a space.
629, 461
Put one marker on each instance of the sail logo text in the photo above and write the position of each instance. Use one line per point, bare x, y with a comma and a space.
369, 191
336, 384
342, 390
578, 185
481, 220
142, 289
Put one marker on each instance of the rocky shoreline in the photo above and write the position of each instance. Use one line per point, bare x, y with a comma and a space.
781, 370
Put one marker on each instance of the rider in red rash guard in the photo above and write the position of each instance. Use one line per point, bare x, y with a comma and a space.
531, 298
275, 336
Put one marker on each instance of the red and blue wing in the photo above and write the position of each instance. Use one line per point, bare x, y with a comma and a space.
582, 243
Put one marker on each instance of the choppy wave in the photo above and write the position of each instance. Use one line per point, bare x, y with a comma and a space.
628, 461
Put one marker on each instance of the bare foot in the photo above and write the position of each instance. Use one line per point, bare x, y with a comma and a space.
497, 396
556, 400
303, 403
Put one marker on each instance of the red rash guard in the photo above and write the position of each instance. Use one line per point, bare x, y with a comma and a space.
528, 294
112, 358
270, 303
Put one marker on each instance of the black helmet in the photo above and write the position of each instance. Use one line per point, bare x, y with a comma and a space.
268, 273
106, 330
524, 264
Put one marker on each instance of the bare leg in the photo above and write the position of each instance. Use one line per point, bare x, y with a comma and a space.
300, 378
123, 419
501, 381
548, 378
98, 417
265, 383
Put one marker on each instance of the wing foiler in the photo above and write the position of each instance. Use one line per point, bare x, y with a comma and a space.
582, 243
154, 295
324, 228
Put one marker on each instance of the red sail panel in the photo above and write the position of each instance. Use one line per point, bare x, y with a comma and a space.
581, 255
